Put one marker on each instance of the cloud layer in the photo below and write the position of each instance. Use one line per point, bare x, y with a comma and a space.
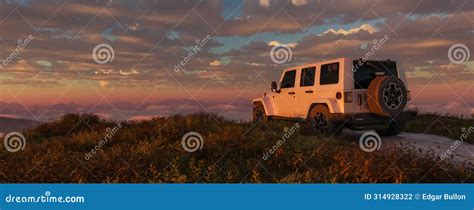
149, 38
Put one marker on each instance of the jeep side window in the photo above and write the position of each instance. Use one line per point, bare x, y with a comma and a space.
288, 79
307, 76
329, 74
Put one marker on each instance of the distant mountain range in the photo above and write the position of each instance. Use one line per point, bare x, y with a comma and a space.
9, 124
237, 109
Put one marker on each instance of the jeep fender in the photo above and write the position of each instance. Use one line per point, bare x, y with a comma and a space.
267, 105
331, 104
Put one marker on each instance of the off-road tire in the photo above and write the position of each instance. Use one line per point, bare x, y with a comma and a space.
393, 129
259, 113
387, 96
323, 122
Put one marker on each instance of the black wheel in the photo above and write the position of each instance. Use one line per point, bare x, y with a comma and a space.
322, 122
387, 96
259, 113
393, 129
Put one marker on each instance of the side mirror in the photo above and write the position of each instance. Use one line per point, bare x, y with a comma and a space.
274, 87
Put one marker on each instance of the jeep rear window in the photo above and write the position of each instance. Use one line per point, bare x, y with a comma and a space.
364, 73
288, 80
329, 74
307, 76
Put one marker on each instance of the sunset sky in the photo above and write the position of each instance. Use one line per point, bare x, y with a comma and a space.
55, 71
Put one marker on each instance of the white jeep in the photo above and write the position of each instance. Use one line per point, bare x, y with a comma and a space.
340, 93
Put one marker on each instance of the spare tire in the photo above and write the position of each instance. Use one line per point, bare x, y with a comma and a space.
387, 96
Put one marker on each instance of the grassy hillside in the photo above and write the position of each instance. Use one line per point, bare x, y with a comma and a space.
449, 126
10, 124
151, 151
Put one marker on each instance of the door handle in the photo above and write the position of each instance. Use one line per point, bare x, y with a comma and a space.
291, 93
309, 91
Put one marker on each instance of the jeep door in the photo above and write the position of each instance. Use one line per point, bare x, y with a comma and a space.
305, 92
285, 101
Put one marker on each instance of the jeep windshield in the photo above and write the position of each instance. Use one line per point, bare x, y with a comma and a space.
365, 72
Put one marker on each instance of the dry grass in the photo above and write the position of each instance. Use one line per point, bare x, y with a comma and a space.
151, 152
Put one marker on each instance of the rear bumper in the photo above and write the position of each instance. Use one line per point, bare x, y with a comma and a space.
365, 121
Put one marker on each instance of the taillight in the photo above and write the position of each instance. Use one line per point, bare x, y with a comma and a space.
347, 97
408, 95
